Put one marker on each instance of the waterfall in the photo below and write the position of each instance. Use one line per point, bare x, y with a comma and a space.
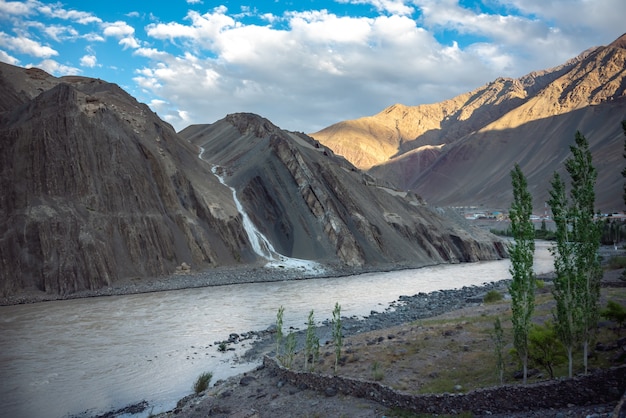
260, 244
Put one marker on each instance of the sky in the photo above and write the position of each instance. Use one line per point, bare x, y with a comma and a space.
303, 64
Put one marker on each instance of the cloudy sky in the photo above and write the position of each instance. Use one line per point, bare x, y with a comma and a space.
303, 64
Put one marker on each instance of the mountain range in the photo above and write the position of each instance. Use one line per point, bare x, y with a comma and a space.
460, 152
96, 188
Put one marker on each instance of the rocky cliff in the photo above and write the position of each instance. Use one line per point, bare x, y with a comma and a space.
94, 187
460, 151
313, 204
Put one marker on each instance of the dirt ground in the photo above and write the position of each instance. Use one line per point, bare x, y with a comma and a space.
453, 352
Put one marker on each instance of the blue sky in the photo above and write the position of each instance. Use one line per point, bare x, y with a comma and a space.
303, 64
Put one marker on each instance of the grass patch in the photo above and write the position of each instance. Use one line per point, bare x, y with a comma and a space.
202, 382
492, 296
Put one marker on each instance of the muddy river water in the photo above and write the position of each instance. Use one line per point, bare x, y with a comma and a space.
89, 356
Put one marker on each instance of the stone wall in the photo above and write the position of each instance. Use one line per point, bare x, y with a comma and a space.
601, 387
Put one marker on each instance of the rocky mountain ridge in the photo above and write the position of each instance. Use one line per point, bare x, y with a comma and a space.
95, 188
460, 151
313, 204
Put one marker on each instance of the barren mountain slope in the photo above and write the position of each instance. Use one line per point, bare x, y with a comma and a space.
312, 204
94, 187
373, 140
460, 151
590, 98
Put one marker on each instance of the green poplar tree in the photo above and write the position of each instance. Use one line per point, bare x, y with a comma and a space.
577, 266
279, 329
311, 346
498, 339
337, 333
521, 253
563, 291
586, 233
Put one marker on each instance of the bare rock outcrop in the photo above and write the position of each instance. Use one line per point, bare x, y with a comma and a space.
94, 187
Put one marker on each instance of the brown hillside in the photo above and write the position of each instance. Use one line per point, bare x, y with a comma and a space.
95, 188
480, 135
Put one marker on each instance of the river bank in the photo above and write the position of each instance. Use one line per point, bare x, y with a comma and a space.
442, 320
218, 276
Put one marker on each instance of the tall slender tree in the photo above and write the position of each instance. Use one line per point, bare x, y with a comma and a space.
586, 233
311, 342
521, 252
565, 313
337, 334
577, 266
279, 329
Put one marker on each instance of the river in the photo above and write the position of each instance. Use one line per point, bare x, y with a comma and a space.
88, 356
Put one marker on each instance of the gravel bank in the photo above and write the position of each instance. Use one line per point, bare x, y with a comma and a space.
219, 276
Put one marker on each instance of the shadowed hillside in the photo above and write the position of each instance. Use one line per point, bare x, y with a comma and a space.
315, 205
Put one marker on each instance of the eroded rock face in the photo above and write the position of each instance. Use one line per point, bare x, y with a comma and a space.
94, 187
313, 204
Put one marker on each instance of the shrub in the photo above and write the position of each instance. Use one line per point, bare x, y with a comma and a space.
377, 372
202, 382
492, 296
544, 348
290, 350
614, 312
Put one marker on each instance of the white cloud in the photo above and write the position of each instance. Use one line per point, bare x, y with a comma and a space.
203, 29
60, 33
17, 7
88, 60
9, 59
129, 42
397, 7
57, 11
315, 70
55, 68
118, 29
122, 31
27, 46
